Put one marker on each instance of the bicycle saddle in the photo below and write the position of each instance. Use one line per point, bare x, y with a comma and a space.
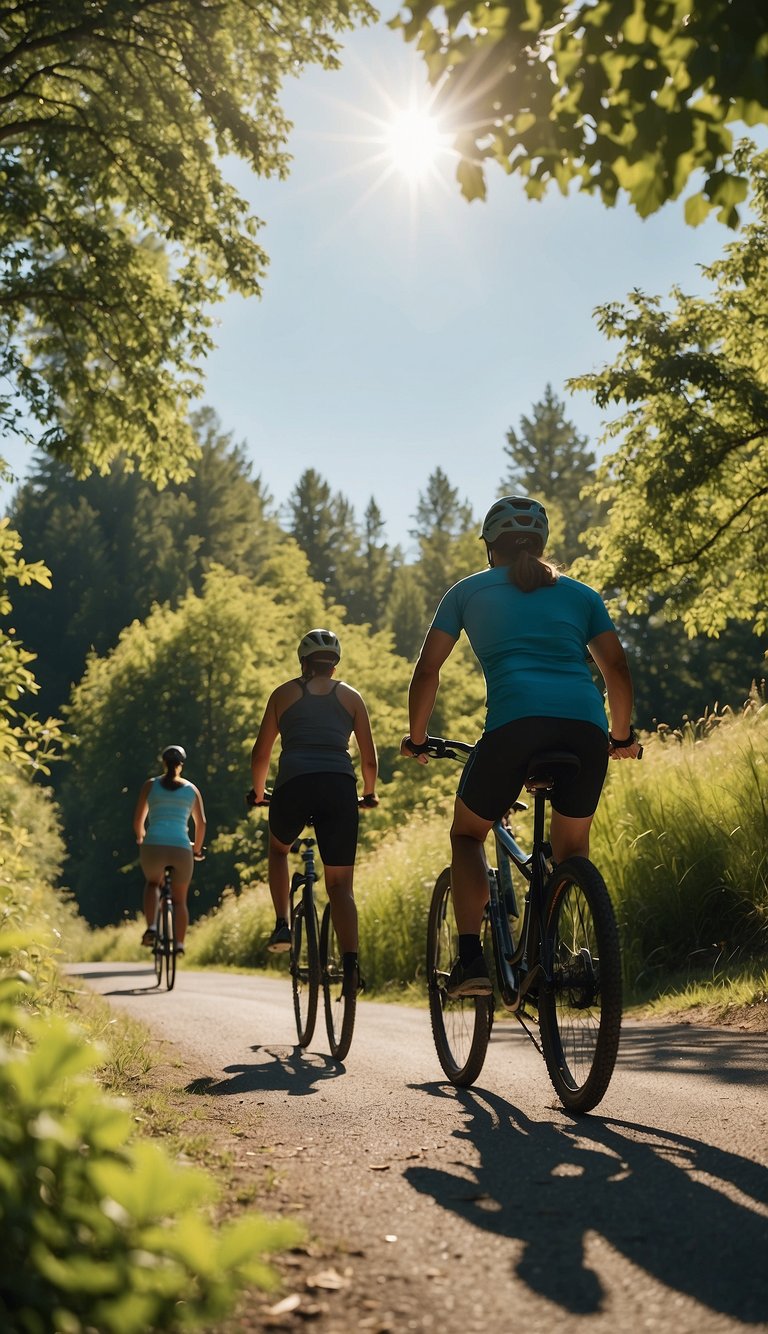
547, 766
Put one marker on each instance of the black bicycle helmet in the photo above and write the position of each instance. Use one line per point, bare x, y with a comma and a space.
516, 514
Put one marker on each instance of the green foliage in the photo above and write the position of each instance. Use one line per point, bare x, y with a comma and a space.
686, 488
118, 229
100, 1232
549, 459
681, 840
630, 97
26, 742
147, 546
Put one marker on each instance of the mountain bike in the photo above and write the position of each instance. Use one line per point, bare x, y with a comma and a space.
165, 946
558, 966
315, 957
165, 933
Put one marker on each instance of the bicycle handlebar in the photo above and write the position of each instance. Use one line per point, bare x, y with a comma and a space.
440, 748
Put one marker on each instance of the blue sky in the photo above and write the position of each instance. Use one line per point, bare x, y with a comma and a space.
403, 330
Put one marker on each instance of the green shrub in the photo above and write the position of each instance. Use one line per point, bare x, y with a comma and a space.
101, 1232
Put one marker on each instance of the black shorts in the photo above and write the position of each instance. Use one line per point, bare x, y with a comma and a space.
330, 802
496, 770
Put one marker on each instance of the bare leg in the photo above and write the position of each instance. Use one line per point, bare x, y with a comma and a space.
150, 902
279, 880
180, 911
469, 869
569, 835
338, 882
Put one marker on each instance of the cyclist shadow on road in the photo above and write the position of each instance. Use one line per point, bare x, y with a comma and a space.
291, 1070
691, 1215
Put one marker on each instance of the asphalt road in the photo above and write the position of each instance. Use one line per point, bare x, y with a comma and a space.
459, 1210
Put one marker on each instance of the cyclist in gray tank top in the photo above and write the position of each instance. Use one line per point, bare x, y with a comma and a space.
315, 717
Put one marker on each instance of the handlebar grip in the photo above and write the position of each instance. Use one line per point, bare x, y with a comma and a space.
251, 802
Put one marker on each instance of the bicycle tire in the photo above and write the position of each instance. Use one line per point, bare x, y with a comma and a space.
169, 943
305, 972
461, 1028
157, 948
340, 1007
580, 1013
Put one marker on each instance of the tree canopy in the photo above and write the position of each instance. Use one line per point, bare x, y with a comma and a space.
119, 228
551, 460
687, 486
630, 97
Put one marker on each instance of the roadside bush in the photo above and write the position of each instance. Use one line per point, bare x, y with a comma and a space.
101, 1232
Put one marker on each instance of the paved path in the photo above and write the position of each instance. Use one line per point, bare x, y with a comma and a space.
464, 1210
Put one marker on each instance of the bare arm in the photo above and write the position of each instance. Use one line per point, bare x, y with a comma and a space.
361, 726
198, 820
424, 686
262, 747
608, 653
140, 813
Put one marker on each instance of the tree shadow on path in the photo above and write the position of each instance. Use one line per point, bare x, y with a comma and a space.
290, 1070
694, 1217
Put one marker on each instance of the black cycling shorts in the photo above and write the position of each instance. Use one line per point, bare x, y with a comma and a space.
329, 801
496, 770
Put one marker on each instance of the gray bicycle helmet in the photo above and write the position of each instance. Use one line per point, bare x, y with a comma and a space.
172, 752
516, 514
319, 641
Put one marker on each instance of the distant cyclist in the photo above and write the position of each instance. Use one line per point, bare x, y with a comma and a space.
531, 629
169, 802
314, 716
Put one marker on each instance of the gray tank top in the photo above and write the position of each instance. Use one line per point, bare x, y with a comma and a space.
314, 733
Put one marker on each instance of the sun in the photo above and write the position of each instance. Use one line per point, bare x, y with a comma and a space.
415, 143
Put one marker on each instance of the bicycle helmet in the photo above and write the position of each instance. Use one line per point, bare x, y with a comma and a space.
172, 752
516, 514
319, 641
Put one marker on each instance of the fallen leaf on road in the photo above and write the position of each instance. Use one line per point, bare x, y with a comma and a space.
287, 1304
379, 1167
390, 1237
329, 1280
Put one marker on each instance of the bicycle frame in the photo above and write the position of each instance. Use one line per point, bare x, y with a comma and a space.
518, 968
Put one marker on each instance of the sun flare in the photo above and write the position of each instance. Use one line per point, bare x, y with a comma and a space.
415, 143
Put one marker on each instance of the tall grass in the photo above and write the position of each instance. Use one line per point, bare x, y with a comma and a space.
682, 839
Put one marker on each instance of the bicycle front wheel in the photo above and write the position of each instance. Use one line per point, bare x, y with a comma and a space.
168, 933
158, 953
580, 1012
305, 972
340, 1006
462, 1027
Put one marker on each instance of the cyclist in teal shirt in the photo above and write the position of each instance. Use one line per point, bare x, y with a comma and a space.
532, 630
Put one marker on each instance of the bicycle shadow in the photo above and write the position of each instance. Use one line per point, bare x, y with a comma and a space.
290, 1070
692, 1216
135, 971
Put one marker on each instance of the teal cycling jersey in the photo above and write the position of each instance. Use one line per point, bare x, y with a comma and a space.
532, 647
169, 812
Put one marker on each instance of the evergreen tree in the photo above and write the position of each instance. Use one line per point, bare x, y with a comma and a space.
550, 460
406, 612
446, 533
369, 593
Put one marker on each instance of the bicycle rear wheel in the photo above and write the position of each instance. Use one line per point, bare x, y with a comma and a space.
305, 972
340, 1007
461, 1028
580, 1013
168, 933
157, 949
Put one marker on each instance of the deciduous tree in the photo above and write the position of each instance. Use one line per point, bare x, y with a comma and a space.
632, 97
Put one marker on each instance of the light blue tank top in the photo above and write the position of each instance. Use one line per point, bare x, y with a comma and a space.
169, 812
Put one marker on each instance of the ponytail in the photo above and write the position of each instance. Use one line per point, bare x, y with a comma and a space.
523, 559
